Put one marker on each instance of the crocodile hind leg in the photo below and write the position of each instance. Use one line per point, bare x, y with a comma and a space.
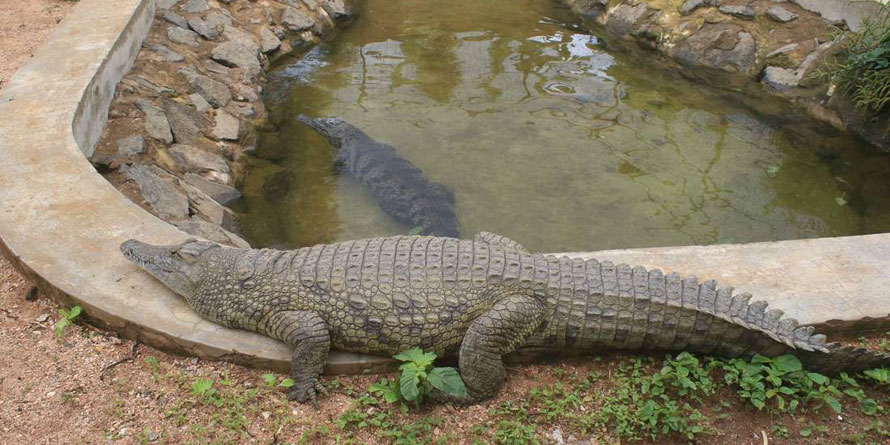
308, 335
497, 332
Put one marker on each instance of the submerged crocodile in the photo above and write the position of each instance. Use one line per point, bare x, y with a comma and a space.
399, 186
478, 299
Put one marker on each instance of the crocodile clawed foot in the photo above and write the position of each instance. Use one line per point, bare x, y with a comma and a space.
307, 392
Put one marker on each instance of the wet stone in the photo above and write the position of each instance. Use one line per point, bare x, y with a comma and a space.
780, 14
183, 36
337, 9
130, 146
741, 11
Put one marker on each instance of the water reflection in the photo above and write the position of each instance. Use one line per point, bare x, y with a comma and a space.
545, 137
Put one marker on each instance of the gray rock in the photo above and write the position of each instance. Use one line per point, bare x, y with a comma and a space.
243, 37
691, 5
337, 9
194, 6
199, 102
226, 126
167, 53
780, 14
721, 46
204, 28
215, 92
782, 50
176, 19
269, 41
741, 11
245, 110
156, 124
220, 193
191, 159
622, 18
296, 20
185, 121
164, 198
236, 54
142, 83
311, 4
212, 232
207, 209
181, 35
780, 79
218, 18
130, 146
166, 4
244, 93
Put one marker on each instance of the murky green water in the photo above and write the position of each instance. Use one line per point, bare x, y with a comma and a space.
545, 136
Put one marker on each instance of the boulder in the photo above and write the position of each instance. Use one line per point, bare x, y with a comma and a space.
194, 6
190, 159
156, 124
165, 199
215, 92
182, 35
269, 41
236, 54
185, 121
211, 232
130, 146
337, 9
220, 193
722, 46
296, 20
226, 126
166, 53
780, 14
744, 12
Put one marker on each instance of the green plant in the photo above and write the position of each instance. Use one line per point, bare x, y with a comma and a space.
513, 432
270, 379
418, 377
68, 317
864, 74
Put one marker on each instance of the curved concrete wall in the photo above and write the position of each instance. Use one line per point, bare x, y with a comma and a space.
61, 223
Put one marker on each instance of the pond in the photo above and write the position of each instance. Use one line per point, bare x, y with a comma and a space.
546, 135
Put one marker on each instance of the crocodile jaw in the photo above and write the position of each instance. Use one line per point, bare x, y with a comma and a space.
164, 263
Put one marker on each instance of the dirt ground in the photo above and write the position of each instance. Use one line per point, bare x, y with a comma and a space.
23, 26
88, 386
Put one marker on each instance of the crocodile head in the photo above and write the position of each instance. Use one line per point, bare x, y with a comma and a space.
177, 266
333, 128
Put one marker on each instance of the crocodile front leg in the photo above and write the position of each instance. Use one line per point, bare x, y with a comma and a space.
307, 333
505, 327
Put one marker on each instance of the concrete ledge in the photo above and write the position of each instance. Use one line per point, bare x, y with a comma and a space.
61, 222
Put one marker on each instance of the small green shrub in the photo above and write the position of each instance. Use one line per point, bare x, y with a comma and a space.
418, 377
68, 317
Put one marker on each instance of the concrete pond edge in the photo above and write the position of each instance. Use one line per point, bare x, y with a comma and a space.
61, 223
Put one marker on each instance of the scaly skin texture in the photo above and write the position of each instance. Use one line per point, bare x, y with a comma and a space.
479, 299
399, 186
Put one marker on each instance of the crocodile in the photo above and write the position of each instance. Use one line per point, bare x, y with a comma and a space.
476, 299
401, 189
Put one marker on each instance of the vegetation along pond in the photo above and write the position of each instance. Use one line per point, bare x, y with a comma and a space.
545, 135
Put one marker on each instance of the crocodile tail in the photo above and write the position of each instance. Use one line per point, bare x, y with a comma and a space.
730, 324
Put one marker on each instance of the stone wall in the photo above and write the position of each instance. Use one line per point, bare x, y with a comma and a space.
780, 45
184, 115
